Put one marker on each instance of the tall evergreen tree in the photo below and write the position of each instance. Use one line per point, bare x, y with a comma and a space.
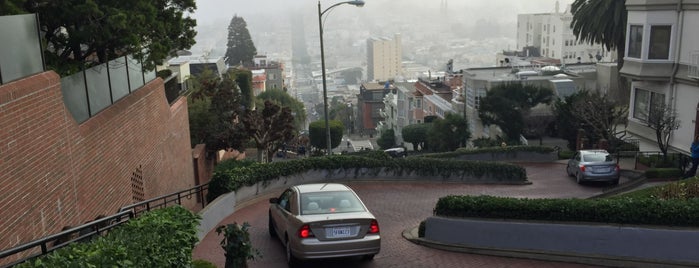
241, 49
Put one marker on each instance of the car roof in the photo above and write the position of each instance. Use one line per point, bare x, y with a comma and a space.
321, 187
596, 151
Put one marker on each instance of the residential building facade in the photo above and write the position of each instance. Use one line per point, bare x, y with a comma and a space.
552, 35
370, 103
662, 60
396, 113
384, 58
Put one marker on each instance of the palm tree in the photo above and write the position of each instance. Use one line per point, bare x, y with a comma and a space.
603, 22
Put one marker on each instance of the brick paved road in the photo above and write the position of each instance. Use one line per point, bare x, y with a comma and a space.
399, 206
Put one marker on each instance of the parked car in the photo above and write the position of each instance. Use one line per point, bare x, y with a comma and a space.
593, 165
397, 152
323, 220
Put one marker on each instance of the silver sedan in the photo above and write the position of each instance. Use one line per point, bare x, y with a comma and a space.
593, 165
324, 220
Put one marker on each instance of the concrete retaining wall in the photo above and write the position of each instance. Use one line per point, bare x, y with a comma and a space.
643, 244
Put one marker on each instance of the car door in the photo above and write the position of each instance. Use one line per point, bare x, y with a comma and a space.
281, 211
573, 164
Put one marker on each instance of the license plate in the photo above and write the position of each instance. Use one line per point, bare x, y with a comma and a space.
602, 170
340, 232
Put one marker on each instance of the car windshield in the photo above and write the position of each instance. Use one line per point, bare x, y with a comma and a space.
597, 158
330, 202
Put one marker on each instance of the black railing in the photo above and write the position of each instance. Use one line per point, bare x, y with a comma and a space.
656, 159
99, 226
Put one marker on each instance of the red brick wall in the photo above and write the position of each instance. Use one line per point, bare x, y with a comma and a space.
55, 172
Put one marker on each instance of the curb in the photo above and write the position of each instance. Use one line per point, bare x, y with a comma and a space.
411, 234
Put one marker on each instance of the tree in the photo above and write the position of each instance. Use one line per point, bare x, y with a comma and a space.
241, 49
387, 139
663, 120
601, 114
270, 127
317, 134
449, 133
506, 105
213, 115
602, 22
416, 134
285, 100
79, 34
243, 78
567, 124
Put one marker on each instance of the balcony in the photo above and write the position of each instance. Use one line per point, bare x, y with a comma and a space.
647, 70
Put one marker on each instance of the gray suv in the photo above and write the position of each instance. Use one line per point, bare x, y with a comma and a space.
593, 165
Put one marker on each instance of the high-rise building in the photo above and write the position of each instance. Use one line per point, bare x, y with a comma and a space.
551, 34
384, 58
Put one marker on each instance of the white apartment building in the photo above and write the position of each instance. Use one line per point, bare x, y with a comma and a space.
662, 61
397, 104
384, 58
551, 34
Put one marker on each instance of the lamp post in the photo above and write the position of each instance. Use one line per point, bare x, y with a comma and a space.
358, 3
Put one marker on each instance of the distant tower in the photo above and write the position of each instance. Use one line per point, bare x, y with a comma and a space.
443, 8
557, 7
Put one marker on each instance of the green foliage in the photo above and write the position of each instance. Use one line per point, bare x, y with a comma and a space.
233, 163
600, 22
160, 238
243, 78
282, 98
506, 105
421, 229
681, 190
79, 34
236, 244
659, 161
202, 264
12, 7
449, 133
226, 181
567, 123
644, 211
215, 105
416, 134
317, 134
502, 150
565, 154
485, 142
663, 173
241, 49
387, 139
374, 154
270, 127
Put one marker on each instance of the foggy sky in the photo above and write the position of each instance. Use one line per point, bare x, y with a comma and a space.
211, 11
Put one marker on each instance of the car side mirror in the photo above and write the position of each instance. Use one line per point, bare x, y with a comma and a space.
274, 200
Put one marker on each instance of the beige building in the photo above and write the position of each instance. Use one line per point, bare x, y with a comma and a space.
384, 58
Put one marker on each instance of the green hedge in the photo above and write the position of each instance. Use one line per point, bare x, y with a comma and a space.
642, 211
504, 150
160, 238
663, 173
226, 181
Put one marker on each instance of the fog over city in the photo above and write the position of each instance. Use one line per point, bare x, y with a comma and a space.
432, 32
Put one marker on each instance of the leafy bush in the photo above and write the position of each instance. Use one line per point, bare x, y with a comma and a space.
226, 181
160, 238
236, 244
485, 142
565, 154
421, 229
643, 211
504, 150
202, 264
663, 173
229, 164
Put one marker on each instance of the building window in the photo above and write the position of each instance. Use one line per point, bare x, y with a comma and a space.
659, 48
643, 101
635, 41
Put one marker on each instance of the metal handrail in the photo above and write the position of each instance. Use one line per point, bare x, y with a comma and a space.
99, 226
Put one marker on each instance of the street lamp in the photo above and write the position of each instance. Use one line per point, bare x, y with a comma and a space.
358, 3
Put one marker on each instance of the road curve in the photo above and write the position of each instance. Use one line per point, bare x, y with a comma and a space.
399, 206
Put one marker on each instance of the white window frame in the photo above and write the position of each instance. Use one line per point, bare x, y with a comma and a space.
693, 66
628, 41
669, 41
641, 112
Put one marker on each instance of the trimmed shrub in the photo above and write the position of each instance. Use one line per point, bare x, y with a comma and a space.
226, 181
503, 150
160, 238
663, 173
642, 211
